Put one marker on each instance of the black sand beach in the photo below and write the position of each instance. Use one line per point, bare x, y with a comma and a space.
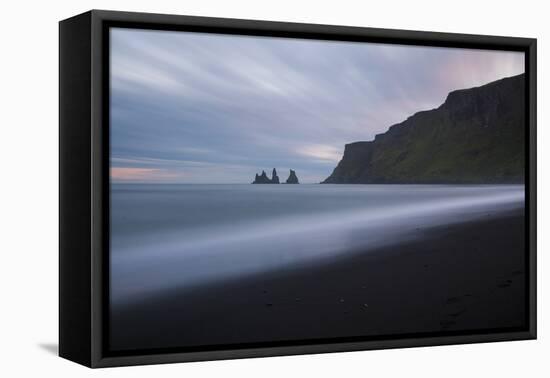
468, 276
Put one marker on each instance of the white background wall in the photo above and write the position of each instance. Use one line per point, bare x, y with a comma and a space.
28, 207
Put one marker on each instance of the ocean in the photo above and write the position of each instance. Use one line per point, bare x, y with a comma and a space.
165, 237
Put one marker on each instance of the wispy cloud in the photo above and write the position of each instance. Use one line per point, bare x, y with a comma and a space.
321, 152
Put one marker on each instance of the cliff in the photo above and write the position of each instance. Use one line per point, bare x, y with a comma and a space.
476, 136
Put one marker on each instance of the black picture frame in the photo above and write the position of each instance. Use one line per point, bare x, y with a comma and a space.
84, 183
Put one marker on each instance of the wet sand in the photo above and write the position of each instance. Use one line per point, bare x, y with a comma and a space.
468, 276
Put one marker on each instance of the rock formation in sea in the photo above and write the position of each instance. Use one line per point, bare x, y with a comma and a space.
274, 177
292, 178
476, 136
263, 179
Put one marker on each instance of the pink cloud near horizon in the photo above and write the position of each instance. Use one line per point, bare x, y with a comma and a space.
139, 174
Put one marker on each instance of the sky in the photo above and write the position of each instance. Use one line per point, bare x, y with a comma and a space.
209, 108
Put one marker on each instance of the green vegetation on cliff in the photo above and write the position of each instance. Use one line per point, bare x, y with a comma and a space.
476, 136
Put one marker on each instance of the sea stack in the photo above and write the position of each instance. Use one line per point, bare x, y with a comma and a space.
292, 178
274, 177
263, 179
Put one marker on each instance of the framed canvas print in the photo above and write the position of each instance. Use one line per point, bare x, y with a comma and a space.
234, 188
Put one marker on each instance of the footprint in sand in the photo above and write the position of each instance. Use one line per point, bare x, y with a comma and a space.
452, 300
456, 314
446, 324
454, 308
505, 284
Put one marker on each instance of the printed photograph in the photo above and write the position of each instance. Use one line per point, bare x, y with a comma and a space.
283, 190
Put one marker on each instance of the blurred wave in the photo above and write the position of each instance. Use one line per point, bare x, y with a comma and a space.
165, 237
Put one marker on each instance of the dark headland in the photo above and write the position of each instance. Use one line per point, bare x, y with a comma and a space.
476, 136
